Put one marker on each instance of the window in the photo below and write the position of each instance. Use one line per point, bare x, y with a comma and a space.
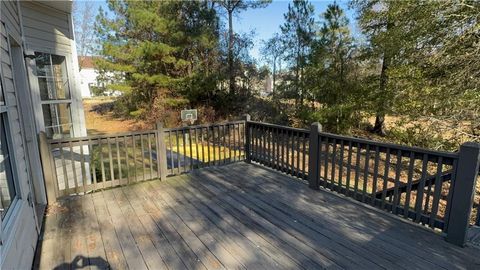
8, 190
54, 94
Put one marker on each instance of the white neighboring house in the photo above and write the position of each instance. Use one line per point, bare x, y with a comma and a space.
89, 77
267, 86
39, 91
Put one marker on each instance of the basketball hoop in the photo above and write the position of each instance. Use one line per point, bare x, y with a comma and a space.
189, 116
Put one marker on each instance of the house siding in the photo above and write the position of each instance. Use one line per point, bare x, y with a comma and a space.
46, 28
19, 233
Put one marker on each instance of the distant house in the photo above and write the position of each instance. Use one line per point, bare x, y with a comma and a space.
39, 91
267, 86
88, 75
90, 78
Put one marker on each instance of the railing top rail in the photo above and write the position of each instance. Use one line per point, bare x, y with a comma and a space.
419, 150
134, 133
279, 126
205, 125
97, 137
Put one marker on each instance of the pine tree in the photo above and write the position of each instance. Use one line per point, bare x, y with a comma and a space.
234, 7
297, 35
165, 51
272, 51
329, 74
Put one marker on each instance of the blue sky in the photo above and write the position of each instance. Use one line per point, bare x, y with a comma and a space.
266, 21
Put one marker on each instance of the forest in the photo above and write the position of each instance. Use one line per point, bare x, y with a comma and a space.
412, 76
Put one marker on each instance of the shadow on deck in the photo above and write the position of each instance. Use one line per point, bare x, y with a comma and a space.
235, 216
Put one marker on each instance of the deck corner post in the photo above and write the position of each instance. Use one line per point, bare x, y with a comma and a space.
247, 118
463, 192
161, 151
48, 168
313, 156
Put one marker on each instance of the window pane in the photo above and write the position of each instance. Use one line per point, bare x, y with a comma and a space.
52, 76
42, 61
7, 187
58, 123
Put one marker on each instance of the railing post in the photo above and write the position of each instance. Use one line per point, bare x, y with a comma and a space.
161, 151
48, 168
246, 118
313, 156
463, 191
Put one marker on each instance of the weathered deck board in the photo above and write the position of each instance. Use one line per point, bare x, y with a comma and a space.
238, 216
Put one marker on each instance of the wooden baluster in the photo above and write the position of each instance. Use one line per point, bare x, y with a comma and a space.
396, 195
127, 161
189, 130
119, 162
184, 132
215, 147
74, 171
277, 149
320, 163
268, 149
411, 165
325, 161
234, 143
150, 156
92, 164
224, 145
239, 143
375, 175
357, 170
202, 146
349, 168
82, 167
172, 165
208, 145
437, 192
297, 169
340, 167
197, 155
366, 173
385, 178
134, 155
110, 161
450, 195
102, 163
333, 170
304, 155
64, 168
427, 197
142, 155
177, 146
420, 190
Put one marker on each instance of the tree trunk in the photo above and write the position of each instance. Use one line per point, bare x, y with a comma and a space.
231, 74
379, 126
274, 77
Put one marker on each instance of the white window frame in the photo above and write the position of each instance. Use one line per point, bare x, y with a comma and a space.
8, 223
68, 101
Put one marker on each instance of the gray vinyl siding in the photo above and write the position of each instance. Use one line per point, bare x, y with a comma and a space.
10, 96
19, 234
46, 28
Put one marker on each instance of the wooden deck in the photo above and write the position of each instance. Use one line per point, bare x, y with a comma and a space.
235, 216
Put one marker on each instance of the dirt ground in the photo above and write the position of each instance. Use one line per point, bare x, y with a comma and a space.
100, 120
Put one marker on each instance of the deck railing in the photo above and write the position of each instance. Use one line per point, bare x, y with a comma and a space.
432, 188
423, 186
81, 165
